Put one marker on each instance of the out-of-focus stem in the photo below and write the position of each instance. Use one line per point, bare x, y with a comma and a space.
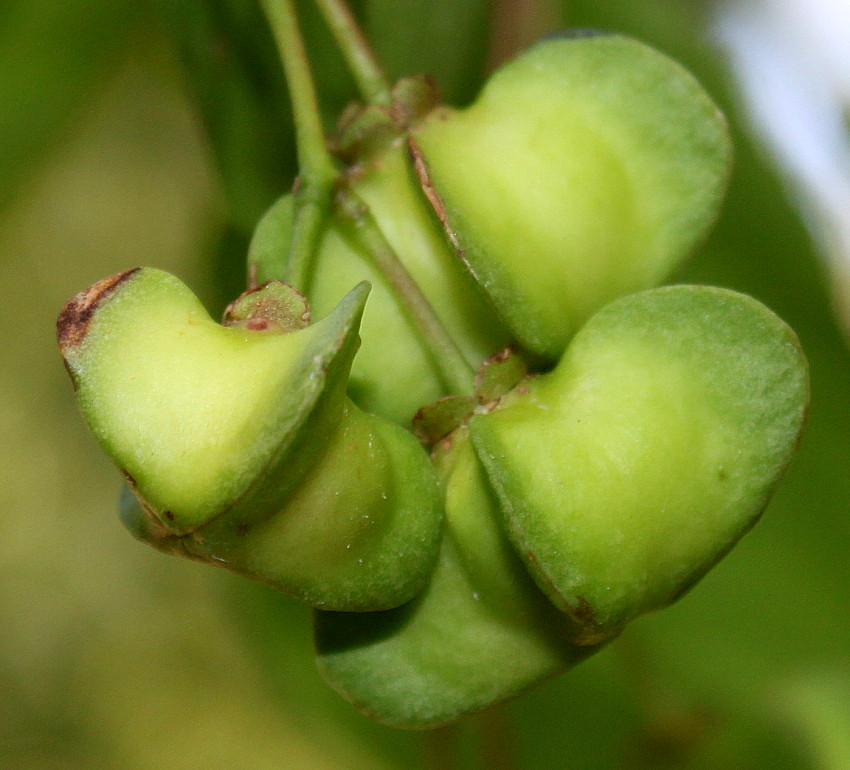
371, 80
313, 197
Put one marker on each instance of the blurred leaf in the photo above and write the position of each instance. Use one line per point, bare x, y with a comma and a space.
235, 78
280, 633
746, 740
443, 38
817, 708
53, 53
232, 72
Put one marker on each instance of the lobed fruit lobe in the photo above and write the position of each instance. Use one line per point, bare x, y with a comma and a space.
480, 633
239, 441
633, 467
587, 168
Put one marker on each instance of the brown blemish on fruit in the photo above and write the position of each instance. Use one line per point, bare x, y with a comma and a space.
589, 631
498, 358
156, 529
242, 529
427, 184
584, 613
428, 188
71, 373
168, 515
420, 165
73, 322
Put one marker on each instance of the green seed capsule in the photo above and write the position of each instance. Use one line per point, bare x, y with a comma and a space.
242, 447
392, 375
480, 633
631, 469
587, 169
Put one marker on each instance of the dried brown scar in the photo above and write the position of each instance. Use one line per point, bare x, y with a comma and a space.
73, 322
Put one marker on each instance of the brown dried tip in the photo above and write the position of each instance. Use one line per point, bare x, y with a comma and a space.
73, 322
588, 631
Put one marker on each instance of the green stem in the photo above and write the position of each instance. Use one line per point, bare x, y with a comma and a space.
371, 81
312, 207
455, 371
318, 173
318, 178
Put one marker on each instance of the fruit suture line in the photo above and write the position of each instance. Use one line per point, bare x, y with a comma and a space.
476, 434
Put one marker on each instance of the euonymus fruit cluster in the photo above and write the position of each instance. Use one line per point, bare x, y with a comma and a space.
460, 544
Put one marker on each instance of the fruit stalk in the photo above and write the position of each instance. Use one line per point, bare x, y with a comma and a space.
371, 80
455, 370
317, 170
314, 199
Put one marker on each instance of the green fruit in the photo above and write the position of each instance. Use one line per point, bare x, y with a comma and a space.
392, 375
191, 410
631, 469
480, 633
587, 169
241, 445
360, 532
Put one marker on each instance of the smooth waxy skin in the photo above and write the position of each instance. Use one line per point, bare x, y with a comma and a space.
189, 409
244, 451
587, 168
392, 374
480, 633
359, 533
627, 472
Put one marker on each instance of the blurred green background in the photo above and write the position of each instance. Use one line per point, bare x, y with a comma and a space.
154, 133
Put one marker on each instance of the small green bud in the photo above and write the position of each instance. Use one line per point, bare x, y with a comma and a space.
274, 306
499, 375
434, 422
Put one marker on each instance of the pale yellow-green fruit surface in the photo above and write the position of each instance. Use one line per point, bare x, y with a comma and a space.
481, 632
190, 410
628, 471
586, 169
360, 532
